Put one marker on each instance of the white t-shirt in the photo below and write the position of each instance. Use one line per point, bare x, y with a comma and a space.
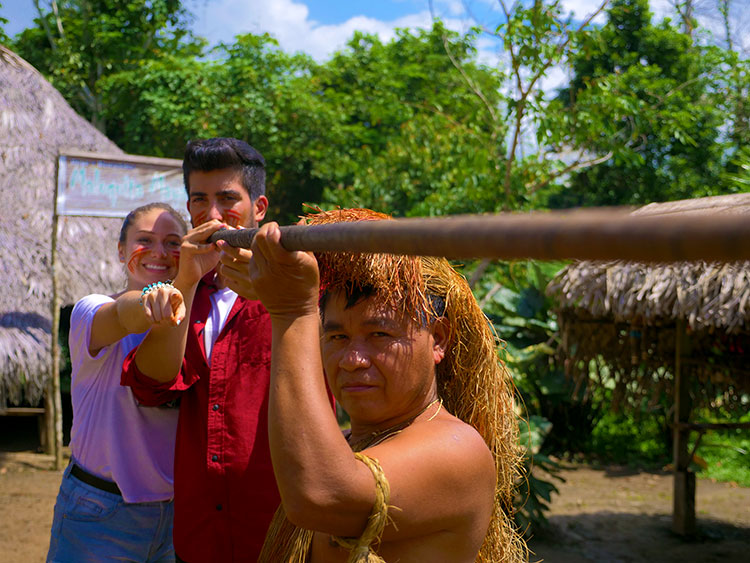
114, 437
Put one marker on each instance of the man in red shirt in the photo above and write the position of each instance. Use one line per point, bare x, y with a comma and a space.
217, 365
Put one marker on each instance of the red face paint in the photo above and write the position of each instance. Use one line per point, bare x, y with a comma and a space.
133, 257
233, 218
176, 255
201, 218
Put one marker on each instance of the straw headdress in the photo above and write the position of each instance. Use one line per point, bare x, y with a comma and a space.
472, 383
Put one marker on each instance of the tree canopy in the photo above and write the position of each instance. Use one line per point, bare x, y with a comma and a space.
418, 125
665, 94
78, 43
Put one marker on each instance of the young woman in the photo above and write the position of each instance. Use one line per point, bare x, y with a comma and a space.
115, 500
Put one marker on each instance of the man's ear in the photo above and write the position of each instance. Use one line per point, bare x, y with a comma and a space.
261, 207
441, 332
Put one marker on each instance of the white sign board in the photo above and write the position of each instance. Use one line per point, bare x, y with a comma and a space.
91, 184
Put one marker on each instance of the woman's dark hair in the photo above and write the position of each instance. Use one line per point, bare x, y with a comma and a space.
220, 153
133, 215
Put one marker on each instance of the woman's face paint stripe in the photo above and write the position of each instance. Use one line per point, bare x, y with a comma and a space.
134, 256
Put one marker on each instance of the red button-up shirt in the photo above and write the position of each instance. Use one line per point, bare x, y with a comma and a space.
225, 491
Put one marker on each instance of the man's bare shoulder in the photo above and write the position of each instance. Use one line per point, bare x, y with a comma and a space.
442, 481
445, 447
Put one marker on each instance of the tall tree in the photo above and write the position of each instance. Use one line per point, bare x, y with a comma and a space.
536, 139
248, 88
77, 43
415, 139
664, 88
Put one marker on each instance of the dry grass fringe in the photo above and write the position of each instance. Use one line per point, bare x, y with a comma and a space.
36, 124
617, 322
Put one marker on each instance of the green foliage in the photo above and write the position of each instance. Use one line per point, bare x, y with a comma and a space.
663, 97
414, 137
512, 295
727, 457
644, 437
534, 493
725, 454
369, 128
249, 89
739, 176
80, 42
633, 439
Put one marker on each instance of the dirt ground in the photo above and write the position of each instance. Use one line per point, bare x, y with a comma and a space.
611, 515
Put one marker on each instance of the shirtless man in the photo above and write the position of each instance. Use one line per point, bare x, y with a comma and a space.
379, 358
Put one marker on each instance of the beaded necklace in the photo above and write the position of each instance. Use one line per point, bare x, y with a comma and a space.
380, 436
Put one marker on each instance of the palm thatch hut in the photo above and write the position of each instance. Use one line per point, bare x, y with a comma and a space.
36, 124
681, 328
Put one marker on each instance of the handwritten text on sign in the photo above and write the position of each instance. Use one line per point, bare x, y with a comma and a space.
105, 187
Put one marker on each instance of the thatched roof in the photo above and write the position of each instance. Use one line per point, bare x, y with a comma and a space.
623, 315
35, 125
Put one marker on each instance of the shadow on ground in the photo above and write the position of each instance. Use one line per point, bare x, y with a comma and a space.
629, 538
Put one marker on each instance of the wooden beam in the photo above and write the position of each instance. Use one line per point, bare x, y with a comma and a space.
22, 411
132, 158
592, 234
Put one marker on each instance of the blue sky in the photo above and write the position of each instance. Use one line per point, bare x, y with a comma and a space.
319, 27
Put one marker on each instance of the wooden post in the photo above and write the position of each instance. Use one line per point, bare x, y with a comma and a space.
47, 433
683, 505
53, 400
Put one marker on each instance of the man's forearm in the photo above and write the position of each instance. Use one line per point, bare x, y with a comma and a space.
306, 444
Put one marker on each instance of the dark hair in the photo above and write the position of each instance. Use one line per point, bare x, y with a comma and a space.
219, 153
133, 215
354, 294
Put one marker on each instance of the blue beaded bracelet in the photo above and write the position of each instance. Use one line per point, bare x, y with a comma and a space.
152, 286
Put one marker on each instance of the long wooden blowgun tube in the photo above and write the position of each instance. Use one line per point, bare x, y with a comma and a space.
589, 235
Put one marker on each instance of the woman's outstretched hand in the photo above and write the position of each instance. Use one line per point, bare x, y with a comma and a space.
164, 306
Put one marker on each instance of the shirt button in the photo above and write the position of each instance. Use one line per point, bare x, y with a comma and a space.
218, 507
214, 458
216, 407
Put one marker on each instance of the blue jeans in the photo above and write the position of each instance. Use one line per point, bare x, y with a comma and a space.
94, 525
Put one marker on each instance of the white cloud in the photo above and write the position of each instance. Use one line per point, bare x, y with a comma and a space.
583, 9
321, 41
289, 22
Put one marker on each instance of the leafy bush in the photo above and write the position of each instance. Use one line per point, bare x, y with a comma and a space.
535, 493
628, 438
512, 296
727, 457
724, 454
